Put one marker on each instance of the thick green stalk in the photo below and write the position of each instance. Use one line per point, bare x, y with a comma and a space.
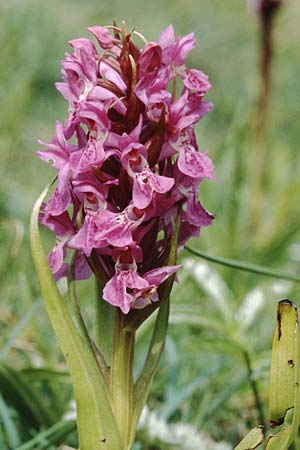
122, 377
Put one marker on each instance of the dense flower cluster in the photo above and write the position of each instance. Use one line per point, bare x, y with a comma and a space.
126, 158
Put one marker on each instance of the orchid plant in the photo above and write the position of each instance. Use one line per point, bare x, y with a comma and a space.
125, 199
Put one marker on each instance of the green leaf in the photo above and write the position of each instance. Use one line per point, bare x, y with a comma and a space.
96, 424
65, 447
253, 439
19, 327
169, 407
143, 383
20, 394
11, 431
46, 374
245, 266
195, 319
284, 378
283, 370
51, 436
217, 403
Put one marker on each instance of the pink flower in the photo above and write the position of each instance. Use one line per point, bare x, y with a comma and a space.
150, 58
175, 50
127, 289
195, 80
127, 159
126, 279
103, 37
195, 164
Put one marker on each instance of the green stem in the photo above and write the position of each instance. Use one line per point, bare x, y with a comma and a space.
122, 377
254, 387
155, 351
247, 267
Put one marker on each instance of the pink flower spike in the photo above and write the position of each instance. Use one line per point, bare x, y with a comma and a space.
127, 158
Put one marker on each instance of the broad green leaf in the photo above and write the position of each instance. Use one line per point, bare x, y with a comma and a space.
51, 436
284, 383
253, 439
283, 366
96, 424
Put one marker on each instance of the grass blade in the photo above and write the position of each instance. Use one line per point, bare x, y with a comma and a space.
20, 394
46, 374
52, 436
11, 432
19, 328
245, 266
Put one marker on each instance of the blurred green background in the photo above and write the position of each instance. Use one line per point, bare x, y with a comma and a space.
222, 320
